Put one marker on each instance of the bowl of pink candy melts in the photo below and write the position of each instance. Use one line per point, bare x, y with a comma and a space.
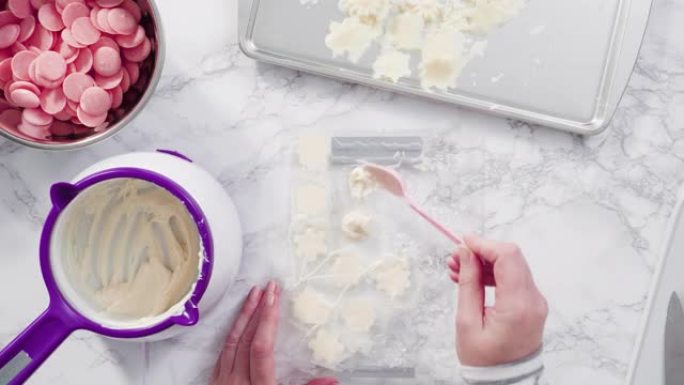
74, 72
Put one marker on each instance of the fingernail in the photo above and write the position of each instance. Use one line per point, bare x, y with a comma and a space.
270, 293
463, 256
253, 294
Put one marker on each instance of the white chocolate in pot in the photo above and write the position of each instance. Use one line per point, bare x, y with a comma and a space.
130, 248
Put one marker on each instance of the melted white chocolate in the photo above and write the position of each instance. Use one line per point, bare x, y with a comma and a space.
130, 247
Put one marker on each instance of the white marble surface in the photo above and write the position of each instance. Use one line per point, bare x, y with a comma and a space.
589, 213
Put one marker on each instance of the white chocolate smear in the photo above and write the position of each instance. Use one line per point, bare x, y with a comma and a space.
311, 200
310, 307
361, 183
313, 152
391, 65
130, 248
359, 314
347, 269
326, 348
350, 37
393, 277
356, 225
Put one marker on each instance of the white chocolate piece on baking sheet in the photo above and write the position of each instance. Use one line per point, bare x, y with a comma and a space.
361, 183
351, 37
347, 269
393, 276
326, 348
405, 31
442, 59
391, 65
429, 10
356, 225
485, 15
359, 314
313, 152
372, 12
310, 307
311, 199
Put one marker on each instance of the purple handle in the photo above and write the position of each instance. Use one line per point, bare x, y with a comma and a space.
33, 346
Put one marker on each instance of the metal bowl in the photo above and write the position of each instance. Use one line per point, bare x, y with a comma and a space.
134, 100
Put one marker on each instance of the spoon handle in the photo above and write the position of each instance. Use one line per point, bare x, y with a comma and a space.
453, 237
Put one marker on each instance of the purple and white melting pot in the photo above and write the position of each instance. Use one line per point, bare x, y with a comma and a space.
136, 247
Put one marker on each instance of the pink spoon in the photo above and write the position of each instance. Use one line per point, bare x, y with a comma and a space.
391, 181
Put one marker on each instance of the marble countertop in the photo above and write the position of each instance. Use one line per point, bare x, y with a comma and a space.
590, 213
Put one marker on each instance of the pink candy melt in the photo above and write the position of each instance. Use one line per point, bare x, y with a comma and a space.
9, 35
90, 120
83, 30
109, 82
25, 98
75, 84
122, 21
72, 12
52, 101
139, 53
50, 18
20, 8
26, 28
132, 40
106, 61
95, 101
66, 62
108, 3
20, 64
41, 38
50, 65
84, 61
36, 116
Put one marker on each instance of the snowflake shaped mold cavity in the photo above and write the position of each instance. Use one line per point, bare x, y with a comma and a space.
393, 277
311, 200
347, 269
326, 348
359, 314
311, 308
310, 242
313, 152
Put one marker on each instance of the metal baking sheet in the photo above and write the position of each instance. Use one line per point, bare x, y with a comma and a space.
563, 64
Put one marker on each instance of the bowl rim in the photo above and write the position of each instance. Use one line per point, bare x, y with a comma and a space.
160, 54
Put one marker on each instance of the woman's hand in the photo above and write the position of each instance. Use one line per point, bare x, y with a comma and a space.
247, 356
510, 330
